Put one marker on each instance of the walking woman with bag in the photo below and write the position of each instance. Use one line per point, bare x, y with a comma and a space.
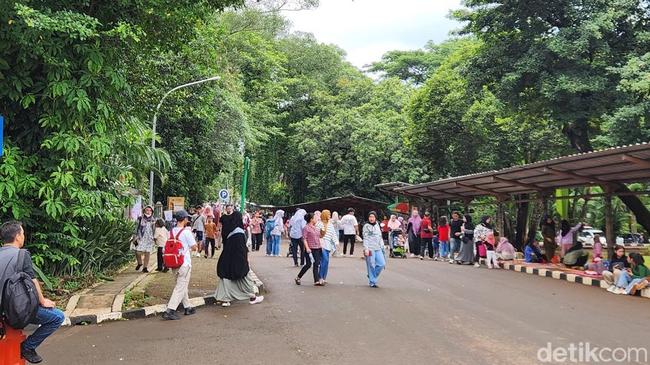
313, 250
329, 243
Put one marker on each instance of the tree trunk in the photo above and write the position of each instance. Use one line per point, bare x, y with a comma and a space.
522, 220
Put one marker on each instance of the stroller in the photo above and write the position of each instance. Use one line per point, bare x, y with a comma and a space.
397, 244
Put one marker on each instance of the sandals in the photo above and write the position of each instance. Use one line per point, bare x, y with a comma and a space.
297, 280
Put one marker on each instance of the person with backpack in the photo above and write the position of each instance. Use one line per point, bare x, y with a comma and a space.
178, 257
16, 266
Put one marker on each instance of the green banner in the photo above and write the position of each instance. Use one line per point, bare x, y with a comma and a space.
244, 183
562, 205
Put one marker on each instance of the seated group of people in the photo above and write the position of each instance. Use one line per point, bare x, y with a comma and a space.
624, 274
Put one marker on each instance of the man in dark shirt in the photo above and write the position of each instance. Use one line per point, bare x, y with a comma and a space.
48, 316
454, 234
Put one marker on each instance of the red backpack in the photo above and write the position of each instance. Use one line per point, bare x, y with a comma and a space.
173, 254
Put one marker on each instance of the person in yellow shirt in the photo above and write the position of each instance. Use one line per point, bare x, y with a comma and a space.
210, 236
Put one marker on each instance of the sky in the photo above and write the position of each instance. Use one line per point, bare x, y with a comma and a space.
366, 29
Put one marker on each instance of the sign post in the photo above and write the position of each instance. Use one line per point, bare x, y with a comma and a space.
224, 195
244, 183
2, 136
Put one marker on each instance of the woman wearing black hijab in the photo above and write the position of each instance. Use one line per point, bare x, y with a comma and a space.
466, 255
547, 226
232, 269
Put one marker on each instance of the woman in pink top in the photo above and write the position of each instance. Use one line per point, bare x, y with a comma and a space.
565, 237
311, 242
256, 230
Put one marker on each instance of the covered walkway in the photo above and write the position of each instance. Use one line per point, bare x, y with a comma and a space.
608, 169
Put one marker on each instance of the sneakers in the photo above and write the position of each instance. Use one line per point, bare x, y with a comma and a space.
190, 311
258, 299
30, 355
477, 265
145, 270
225, 304
619, 291
611, 288
170, 315
137, 268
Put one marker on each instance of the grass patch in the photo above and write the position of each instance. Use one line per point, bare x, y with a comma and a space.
136, 299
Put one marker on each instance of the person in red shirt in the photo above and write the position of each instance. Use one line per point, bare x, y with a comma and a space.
426, 234
443, 237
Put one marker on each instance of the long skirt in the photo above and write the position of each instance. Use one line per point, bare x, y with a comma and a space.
466, 254
229, 290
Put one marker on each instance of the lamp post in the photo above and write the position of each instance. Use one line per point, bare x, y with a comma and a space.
155, 119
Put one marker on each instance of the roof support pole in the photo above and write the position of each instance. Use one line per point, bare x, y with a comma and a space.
609, 222
500, 217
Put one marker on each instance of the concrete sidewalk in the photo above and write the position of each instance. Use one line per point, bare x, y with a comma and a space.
134, 294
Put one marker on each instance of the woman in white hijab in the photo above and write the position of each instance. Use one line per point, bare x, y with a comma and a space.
296, 224
277, 232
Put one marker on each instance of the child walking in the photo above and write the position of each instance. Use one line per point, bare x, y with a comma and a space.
160, 237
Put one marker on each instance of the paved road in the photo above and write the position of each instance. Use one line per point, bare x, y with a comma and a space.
424, 312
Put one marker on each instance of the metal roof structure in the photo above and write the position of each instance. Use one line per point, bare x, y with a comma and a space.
626, 164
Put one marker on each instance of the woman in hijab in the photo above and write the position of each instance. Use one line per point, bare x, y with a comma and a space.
144, 234
481, 233
565, 237
373, 249
466, 254
329, 242
296, 224
547, 226
277, 232
232, 269
413, 230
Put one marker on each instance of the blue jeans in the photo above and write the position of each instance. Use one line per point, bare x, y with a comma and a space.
275, 247
625, 281
444, 248
49, 319
375, 264
324, 264
269, 244
455, 247
436, 247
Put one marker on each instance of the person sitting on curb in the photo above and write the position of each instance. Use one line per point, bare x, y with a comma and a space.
576, 256
48, 316
180, 293
634, 279
505, 250
532, 253
616, 264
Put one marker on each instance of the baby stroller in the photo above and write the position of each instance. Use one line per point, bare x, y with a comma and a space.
397, 244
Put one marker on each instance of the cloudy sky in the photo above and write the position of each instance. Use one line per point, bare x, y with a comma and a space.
366, 29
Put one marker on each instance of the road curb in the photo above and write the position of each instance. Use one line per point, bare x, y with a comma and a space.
559, 275
146, 311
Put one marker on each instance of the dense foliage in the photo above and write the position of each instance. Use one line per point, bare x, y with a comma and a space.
80, 81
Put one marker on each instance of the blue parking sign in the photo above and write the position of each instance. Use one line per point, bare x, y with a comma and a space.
223, 194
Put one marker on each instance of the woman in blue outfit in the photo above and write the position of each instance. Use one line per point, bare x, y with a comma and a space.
373, 249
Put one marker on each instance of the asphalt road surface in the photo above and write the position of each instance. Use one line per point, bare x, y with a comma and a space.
423, 312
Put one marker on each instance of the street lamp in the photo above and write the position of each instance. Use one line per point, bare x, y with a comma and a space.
155, 119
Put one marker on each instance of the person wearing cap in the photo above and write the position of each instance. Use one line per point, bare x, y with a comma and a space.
180, 293
373, 249
144, 238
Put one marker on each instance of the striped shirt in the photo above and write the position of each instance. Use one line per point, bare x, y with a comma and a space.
331, 236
